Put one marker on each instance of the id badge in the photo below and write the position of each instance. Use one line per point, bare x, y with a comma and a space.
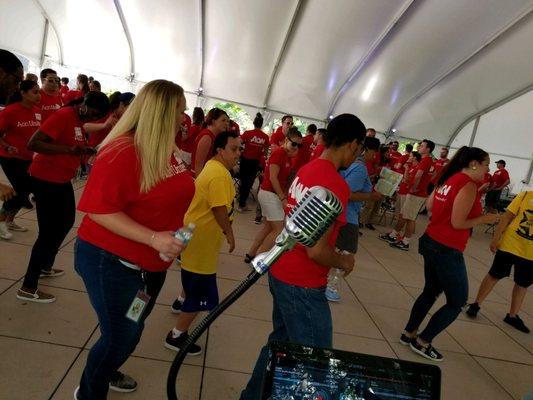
136, 309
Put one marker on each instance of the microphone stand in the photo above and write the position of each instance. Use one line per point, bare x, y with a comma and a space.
261, 263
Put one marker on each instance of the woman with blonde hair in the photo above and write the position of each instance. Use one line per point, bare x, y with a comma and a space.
135, 198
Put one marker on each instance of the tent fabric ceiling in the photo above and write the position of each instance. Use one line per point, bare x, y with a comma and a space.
420, 66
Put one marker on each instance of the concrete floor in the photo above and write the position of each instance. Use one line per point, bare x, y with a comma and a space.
44, 347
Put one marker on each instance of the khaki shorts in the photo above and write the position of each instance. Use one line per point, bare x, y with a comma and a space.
398, 205
412, 206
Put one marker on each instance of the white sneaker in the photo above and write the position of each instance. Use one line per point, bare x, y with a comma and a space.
4, 231
12, 226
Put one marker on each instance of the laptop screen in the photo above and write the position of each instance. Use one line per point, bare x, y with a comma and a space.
300, 372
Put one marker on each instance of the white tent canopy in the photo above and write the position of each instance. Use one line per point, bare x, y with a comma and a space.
427, 68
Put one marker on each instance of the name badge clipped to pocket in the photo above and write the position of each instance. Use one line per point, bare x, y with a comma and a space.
137, 306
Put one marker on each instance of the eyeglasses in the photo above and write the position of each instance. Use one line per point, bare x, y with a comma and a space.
289, 123
295, 144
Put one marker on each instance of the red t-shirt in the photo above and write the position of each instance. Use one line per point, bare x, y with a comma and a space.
304, 153
183, 133
255, 144
18, 124
63, 90
317, 152
49, 105
295, 267
499, 177
408, 182
370, 168
403, 161
425, 166
65, 128
114, 186
438, 165
95, 138
394, 158
187, 144
277, 137
234, 127
203, 132
487, 178
440, 227
278, 157
72, 95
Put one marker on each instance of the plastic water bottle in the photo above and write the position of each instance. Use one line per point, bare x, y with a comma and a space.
184, 235
332, 290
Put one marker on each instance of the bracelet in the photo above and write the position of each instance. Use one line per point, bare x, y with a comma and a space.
152, 239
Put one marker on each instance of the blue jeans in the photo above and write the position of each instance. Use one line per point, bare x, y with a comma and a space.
300, 315
111, 287
444, 271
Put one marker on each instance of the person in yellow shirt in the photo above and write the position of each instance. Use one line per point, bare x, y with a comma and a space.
513, 245
211, 210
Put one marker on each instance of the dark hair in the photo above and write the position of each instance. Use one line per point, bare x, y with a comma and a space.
97, 101
445, 148
84, 83
258, 121
464, 156
198, 116
9, 62
24, 86
371, 143
213, 115
221, 140
417, 155
45, 72
322, 131
311, 128
342, 129
409, 147
430, 144
285, 117
64, 80
114, 100
293, 133
371, 129
90, 79
97, 84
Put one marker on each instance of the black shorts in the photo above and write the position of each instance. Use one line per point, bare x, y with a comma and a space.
348, 238
523, 269
201, 292
493, 198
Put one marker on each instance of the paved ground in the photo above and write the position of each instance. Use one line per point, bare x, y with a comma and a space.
44, 347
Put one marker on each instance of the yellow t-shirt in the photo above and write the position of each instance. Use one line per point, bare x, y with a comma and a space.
518, 237
214, 188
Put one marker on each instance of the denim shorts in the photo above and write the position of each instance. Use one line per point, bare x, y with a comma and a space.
201, 292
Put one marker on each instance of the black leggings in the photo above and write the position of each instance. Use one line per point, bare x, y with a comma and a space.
56, 210
247, 172
16, 171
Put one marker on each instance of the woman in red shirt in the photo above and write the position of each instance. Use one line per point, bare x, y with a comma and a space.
59, 144
216, 121
256, 145
273, 192
187, 142
82, 88
456, 209
135, 200
18, 122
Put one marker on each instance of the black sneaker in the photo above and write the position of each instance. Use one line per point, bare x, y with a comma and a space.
406, 340
388, 238
176, 306
122, 383
26, 203
516, 322
429, 352
258, 220
400, 245
472, 310
370, 226
175, 344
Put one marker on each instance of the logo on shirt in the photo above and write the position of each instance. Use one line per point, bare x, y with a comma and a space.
257, 140
177, 166
525, 226
78, 134
203, 303
444, 190
51, 107
28, 124
38, 116
297, 190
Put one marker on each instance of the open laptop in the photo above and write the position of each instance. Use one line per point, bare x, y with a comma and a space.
298, 372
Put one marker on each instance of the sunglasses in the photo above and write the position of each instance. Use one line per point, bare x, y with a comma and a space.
289, 123
295, 144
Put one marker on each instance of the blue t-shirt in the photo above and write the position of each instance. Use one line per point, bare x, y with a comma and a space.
356, 176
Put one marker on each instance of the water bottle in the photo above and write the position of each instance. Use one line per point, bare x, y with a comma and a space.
184, 235
332, 291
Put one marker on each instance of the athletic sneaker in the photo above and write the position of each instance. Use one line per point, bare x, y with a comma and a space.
332, 295
27, 204
516, 322
12, 226
36, 297
258, 220
76, 393
175, 344
429, 352
51, 273
122, 383
472, 310
406, 340
400, 245
388, 238
4, 231
242, 209
176, 306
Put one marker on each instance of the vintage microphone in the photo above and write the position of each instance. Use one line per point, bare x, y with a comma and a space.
305, 224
